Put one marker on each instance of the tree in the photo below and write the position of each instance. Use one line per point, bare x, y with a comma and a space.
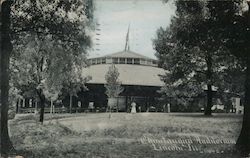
232, 23
228, 25
50, 40
232, 84
34, 18
6, 49
74, 83
182, 82
191, 56
113, 86
52, 95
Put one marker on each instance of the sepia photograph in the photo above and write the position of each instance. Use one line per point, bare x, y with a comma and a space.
125, 78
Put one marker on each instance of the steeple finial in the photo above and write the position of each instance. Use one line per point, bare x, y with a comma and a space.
127, 40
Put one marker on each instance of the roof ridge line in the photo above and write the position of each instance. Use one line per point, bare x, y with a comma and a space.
127, 52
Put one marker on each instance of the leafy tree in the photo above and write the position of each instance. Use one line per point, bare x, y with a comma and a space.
232, 83
74, 83
50, 39
232, 23
226, 24
193, 58
183, 79
113, 86
63, 21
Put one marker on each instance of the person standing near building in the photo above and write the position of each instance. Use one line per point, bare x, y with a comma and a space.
133, 109
168, 106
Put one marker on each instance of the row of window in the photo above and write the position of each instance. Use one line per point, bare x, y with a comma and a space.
122, 61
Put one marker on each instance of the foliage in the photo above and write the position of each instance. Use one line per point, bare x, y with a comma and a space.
74, 82
227, 36
191, 53
183, 79
50, 46
185, 62
232, 23
113, 86
14, 95
50, 40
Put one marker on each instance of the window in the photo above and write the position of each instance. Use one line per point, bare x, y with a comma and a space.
93, 61
109, 60
103, 60
98, 61
129, 61
142, 61
122, 61
155, 62
137, 61
149, 62
115, 60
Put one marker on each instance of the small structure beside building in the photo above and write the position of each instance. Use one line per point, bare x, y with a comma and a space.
237, 108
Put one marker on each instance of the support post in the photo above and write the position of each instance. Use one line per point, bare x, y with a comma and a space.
36, 107
70, 103
51, 106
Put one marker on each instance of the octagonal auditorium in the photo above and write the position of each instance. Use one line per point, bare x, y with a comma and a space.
139, 76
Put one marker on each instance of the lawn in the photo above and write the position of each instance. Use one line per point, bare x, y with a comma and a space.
181, 135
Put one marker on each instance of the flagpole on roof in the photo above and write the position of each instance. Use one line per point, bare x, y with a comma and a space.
127, 40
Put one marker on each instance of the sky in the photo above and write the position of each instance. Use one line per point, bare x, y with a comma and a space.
114, 17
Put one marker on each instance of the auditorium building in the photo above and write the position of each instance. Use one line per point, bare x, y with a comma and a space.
139, 76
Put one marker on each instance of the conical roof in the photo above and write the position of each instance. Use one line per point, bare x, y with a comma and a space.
127, 54
129, 74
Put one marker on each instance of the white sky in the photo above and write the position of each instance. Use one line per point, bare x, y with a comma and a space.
144, 17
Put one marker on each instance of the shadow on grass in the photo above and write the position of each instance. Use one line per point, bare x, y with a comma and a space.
17, 154
24, 153
201, 115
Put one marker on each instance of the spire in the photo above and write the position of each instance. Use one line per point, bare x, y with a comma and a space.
127, 40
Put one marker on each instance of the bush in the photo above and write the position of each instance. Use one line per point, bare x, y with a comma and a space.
11, 112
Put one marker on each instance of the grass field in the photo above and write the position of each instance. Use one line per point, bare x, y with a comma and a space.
140, 135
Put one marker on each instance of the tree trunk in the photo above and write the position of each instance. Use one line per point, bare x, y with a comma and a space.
243, 142
109, 106
17, 105
42, 102
24, 103
36, 107
6, 48
70, 103
208, 111
51, 106
6, 145
109, 112
117, 104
